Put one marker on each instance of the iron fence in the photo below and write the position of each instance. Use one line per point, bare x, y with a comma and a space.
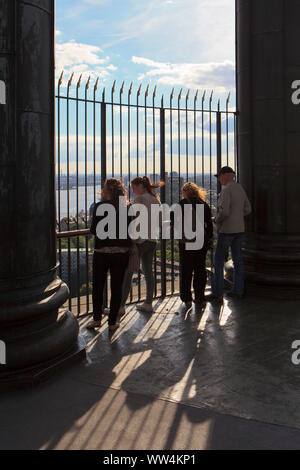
99, 137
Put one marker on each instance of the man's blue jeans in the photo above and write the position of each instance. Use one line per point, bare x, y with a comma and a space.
234, 241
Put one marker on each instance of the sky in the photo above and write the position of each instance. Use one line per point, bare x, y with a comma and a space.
187, 44
168, 43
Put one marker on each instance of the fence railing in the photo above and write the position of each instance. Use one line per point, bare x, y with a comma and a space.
184, 139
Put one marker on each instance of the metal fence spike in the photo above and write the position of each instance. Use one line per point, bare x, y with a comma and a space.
196, 95
187, 95
228, 99
60, 79
147, 91
96, 85
79, 82
130, 89
211, 96
154, 92
70, 80
103, 94
88, 83
203, 97
122, 88
172, 94
139, 90
180, 94
113, 88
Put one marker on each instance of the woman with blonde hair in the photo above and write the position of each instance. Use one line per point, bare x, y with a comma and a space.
110, 254
193, 262
145, 193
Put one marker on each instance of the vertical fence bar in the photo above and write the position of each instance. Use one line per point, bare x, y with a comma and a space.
58, 175
103, 143
171, 195
138, 131
85, 193
113, 130
203, 138
129, 155
77, 196
163, 194
219, 146
227, 130
179, 147
121, 132
154, 169
68, 188
154, 136
236, 156
187, 134
137, 167
146, 128
103, 162
195, 137
129, 137
210, 147
94, 138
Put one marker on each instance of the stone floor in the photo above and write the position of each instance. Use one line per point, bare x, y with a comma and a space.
218, 377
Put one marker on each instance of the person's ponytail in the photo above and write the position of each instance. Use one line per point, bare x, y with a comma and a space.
146, 182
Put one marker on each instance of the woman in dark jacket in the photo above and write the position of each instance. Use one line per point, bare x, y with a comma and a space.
110, 254
193, 262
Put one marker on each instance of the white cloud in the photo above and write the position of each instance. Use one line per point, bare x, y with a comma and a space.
217, 76
189, 30
81, 58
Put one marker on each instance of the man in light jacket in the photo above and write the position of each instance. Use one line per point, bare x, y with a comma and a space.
233, 206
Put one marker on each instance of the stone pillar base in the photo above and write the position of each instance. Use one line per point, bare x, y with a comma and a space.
39, 337
40, 372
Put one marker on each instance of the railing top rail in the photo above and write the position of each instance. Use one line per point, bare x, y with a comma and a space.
132, 105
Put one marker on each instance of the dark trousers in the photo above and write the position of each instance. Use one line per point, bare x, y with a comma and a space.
102, 263
192, 263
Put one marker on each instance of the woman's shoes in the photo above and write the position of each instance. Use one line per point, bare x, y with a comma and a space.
114, 327
93, 324
97, 324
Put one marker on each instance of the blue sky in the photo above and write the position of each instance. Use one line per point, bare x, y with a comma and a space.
187, 44
171, 43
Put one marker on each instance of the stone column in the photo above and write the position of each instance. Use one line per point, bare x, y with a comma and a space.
268, 64
30, 291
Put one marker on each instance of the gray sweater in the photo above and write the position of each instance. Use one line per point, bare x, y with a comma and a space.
233, 206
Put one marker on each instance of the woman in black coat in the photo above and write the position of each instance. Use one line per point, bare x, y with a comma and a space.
111, 252
193, 262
